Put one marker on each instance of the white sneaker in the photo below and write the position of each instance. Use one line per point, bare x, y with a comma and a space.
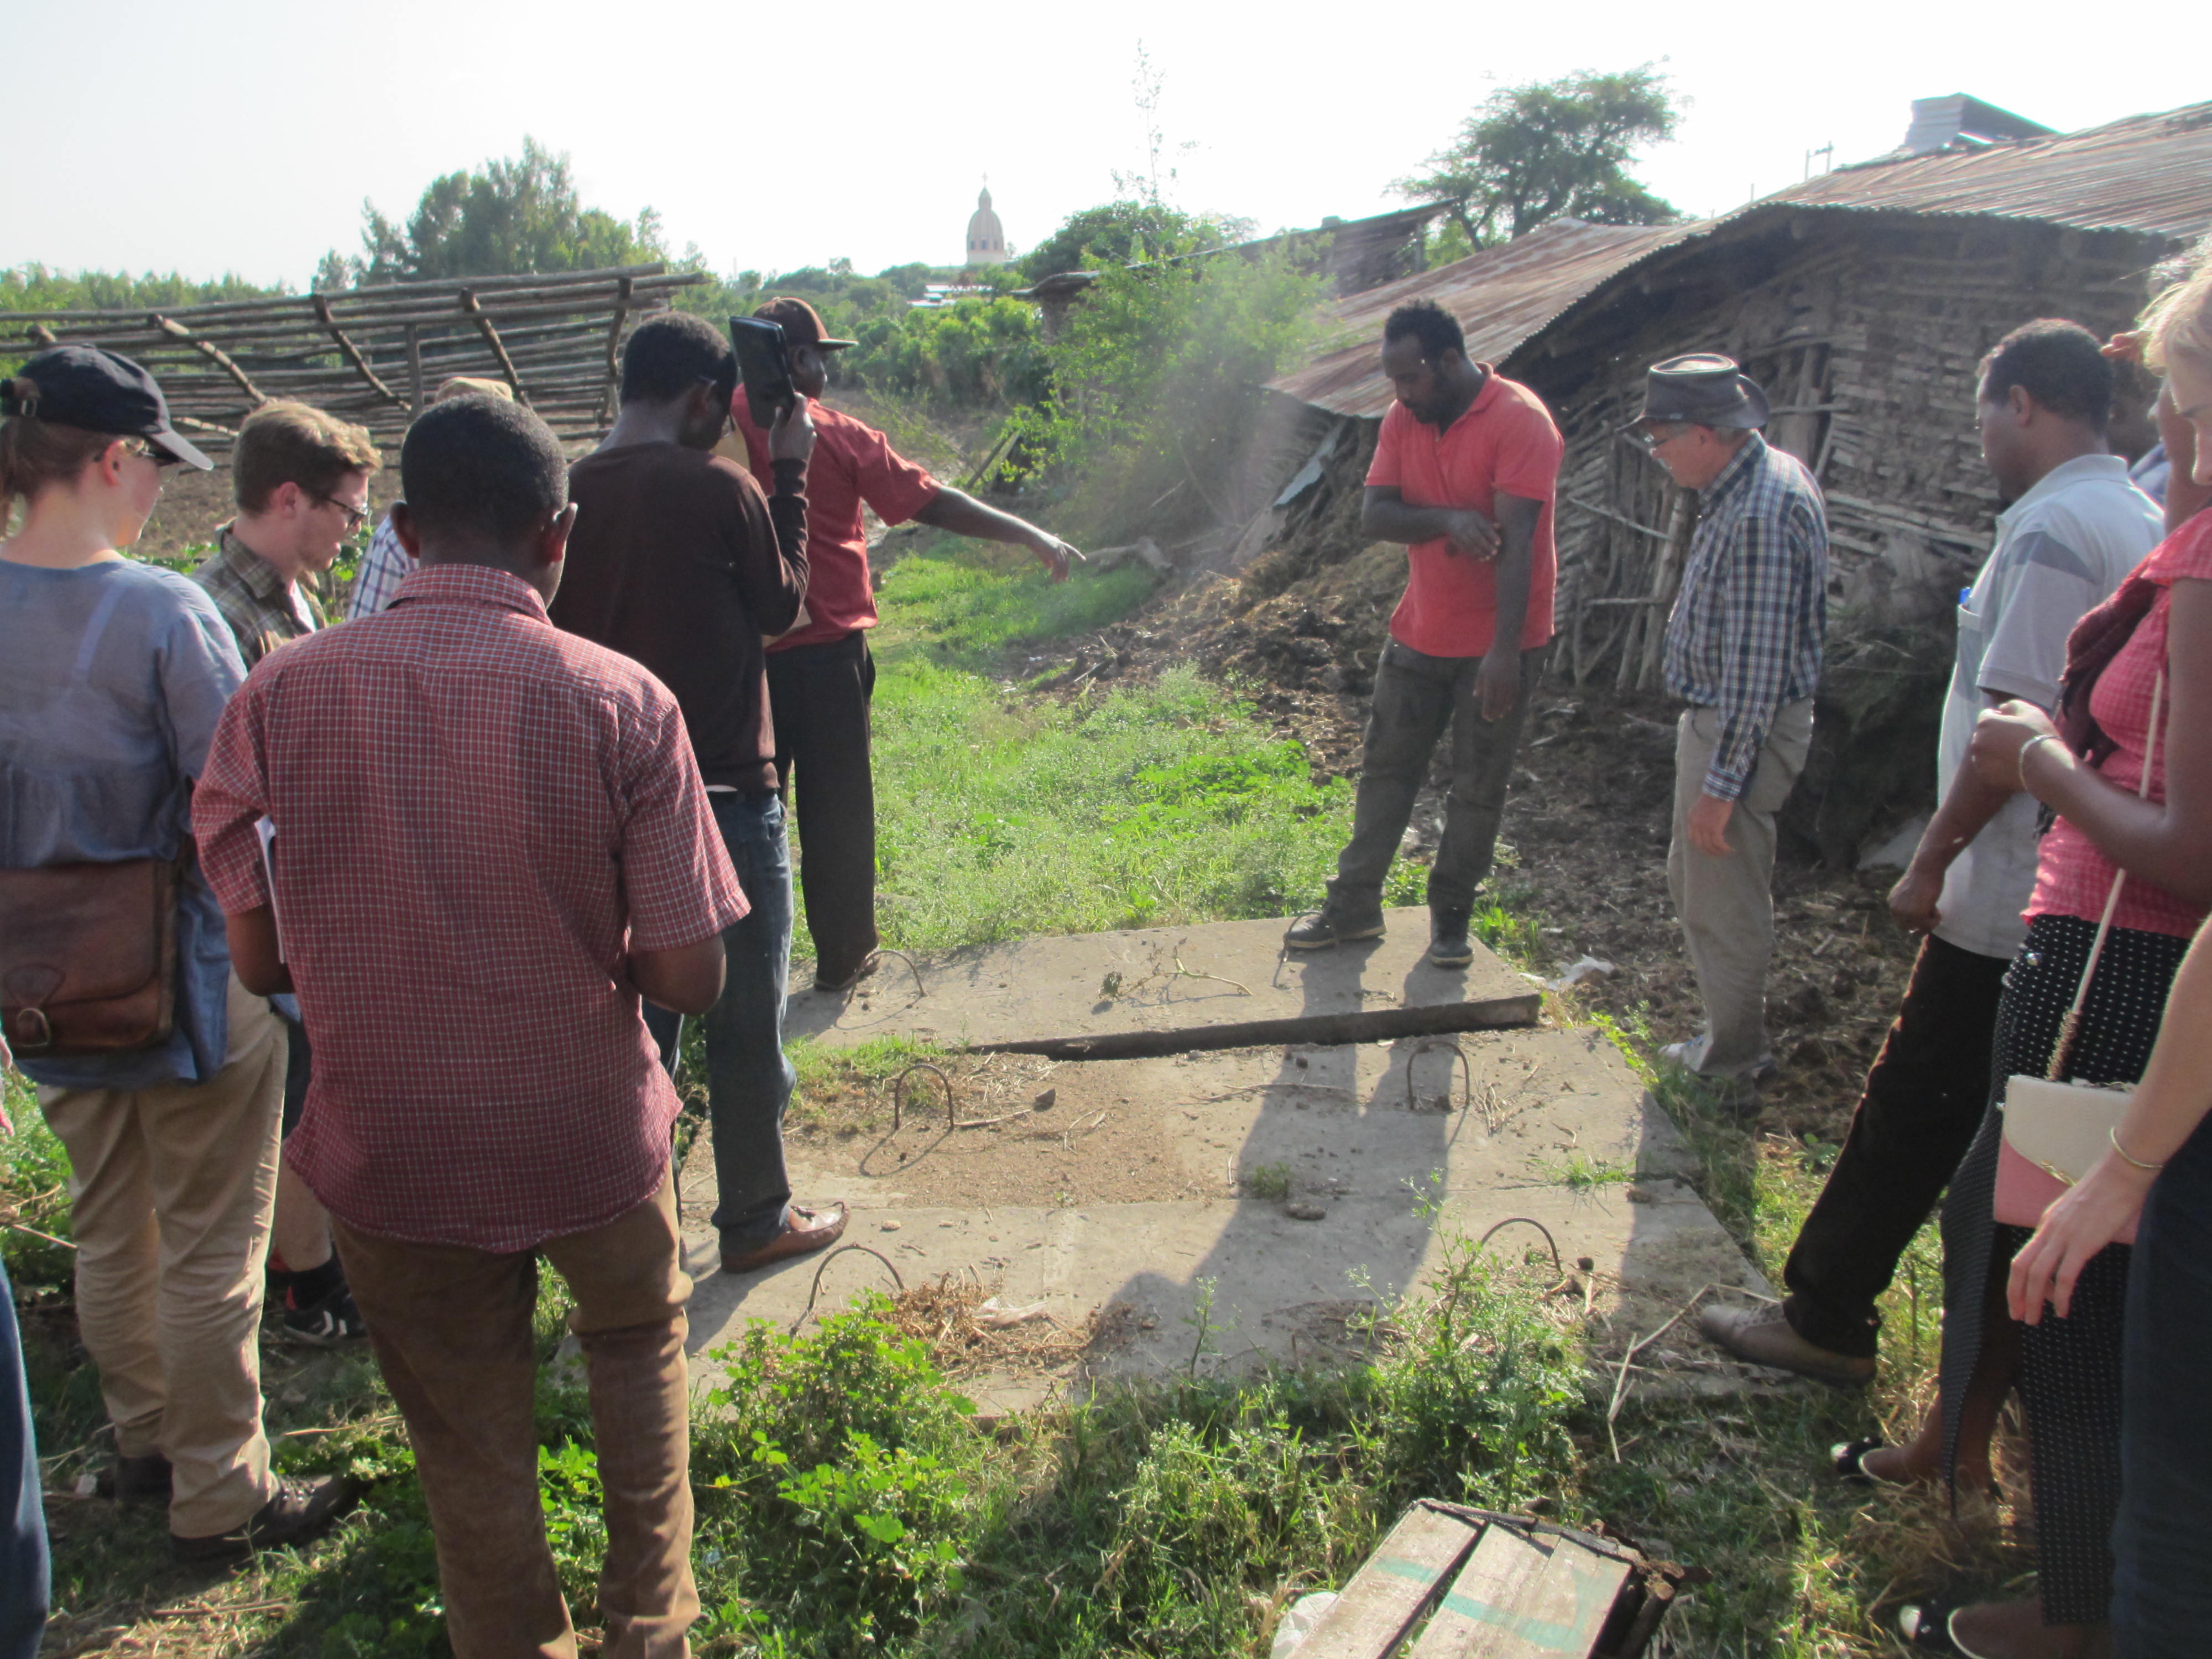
1689, 1055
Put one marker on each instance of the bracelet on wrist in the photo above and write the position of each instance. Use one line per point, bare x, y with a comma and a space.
2127, 1157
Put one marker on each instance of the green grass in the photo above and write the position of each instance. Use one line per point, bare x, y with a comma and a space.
1151, 806
1001, 815
969, 604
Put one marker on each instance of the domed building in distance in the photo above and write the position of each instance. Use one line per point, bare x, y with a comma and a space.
987, 238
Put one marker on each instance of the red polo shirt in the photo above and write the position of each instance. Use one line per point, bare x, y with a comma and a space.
1504, 442
853, 464
477, 817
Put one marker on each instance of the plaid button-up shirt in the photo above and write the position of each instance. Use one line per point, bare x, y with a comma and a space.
263, 612
383, 568
1746, 635
477, 818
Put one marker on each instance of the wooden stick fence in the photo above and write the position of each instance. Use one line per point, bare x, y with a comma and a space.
373, 354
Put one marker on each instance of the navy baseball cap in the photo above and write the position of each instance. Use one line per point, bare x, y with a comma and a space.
101, 391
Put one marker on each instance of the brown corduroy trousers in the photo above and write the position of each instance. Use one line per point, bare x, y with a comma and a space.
452, 1329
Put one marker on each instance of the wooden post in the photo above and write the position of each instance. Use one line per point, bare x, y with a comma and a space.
608, 406
213, 353
1665, 580
498, 347
414, 365
351, 352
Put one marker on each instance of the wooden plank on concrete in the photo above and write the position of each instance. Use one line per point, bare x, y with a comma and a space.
1524, 1597
1170, 990
1388, 1594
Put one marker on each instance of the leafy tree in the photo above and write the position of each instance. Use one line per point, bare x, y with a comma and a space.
35, 288
1129, 232
1155, 384
518, 217
977, 353
1552, 147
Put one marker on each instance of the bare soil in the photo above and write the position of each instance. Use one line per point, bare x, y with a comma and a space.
1032, 1132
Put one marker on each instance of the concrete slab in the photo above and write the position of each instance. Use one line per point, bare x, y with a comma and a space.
1555, 1130
1168, 990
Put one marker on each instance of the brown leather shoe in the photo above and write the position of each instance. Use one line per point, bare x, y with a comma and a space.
300, 1510
803, 1232
1762, 1336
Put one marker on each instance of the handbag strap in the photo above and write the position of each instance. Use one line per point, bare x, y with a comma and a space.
2069, 1029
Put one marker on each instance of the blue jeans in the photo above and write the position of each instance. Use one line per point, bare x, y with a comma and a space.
23, 1566
749, 1081
2162, 1581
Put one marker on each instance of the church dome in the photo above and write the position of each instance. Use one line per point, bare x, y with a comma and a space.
987, 238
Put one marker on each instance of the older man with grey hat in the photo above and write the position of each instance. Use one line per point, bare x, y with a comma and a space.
1743, 650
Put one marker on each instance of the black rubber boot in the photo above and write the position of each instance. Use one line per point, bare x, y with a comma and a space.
1448, 946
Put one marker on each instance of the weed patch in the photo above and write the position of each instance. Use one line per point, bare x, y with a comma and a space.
1153, 805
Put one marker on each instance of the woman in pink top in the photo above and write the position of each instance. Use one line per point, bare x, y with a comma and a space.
2157, 627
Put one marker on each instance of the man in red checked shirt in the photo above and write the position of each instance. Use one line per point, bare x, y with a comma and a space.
1464, 472
820, 676
529, 849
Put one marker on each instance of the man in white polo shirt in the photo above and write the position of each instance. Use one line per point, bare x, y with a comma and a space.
2074, 528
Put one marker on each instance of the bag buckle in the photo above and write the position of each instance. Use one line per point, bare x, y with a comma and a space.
28, 1037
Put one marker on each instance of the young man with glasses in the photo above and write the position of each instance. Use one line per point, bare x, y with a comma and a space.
301, 481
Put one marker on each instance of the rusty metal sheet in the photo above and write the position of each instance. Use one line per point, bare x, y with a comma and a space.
2148, 173
1502, 297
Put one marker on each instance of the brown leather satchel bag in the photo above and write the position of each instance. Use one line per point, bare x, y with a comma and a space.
89, 955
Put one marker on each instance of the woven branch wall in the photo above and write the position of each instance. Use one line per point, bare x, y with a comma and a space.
373, 355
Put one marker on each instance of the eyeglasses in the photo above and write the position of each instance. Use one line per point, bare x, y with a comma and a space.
1650, 441
153, 452
354, 517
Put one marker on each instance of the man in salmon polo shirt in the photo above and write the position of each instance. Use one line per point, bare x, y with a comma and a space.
820, 676
1464, 474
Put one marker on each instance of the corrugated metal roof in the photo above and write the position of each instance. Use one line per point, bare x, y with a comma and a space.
2148, 172
2151, 174
1502, 296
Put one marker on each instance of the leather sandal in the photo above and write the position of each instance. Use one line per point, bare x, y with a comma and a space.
1849, 1460
835, 983
803, 1232
1926, 1628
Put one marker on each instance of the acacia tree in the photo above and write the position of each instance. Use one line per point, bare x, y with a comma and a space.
1552, 147
506, 217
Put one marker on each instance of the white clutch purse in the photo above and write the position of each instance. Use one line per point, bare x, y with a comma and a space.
2063, 1129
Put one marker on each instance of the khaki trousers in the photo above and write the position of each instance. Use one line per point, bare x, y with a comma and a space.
453, 1331
171, 1191
1727, 904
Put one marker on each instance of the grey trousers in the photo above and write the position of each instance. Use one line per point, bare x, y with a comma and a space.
1727, 904
1416, 696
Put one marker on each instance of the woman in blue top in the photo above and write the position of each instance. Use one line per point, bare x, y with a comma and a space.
113, 674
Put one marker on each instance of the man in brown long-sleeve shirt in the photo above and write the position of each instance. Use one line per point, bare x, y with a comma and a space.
679, 561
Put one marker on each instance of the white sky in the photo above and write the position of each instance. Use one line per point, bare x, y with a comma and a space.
243, 136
